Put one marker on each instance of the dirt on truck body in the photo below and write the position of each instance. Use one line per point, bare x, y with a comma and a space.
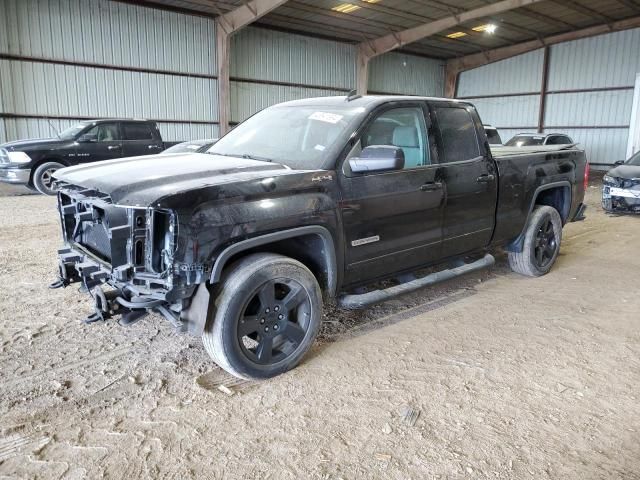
305, 203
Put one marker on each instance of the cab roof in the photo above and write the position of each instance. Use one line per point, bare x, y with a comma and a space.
367, 101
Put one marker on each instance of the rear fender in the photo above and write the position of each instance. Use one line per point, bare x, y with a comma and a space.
516, 245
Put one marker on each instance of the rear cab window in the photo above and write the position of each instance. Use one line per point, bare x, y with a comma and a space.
137, 131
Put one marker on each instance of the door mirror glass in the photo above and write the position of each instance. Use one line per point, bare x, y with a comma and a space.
378, 158
88, 138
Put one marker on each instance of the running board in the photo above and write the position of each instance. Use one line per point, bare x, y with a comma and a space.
353, 302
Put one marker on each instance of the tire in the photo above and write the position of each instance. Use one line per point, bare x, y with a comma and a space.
42, 177
541, 246
267, 313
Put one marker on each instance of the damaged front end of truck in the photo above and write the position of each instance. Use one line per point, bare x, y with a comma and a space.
124, 256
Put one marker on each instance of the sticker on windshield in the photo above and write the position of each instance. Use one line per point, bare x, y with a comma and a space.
319, 147
325, 117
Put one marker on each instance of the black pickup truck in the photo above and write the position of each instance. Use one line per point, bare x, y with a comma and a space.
308, 202
33, 162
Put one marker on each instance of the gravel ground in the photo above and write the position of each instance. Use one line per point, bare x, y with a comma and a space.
489, 376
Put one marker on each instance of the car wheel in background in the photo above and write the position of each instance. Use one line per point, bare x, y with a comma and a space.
541, 243
43, 177
267, 314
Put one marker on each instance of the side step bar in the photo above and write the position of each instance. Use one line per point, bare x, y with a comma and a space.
353, 302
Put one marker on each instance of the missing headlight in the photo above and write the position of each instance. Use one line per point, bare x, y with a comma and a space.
162, 246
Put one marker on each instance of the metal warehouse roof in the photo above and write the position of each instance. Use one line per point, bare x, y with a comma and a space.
369, 19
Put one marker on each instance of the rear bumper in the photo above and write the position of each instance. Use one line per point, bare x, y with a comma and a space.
16, 176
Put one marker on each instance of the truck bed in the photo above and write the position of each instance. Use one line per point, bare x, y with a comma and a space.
499, 151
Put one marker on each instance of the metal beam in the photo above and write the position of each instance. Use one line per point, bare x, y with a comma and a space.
587, 12
370, 49
226, 25
631, 4
546, 19
544, 87
458, 65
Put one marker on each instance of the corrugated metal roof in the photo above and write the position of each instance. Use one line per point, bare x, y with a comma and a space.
372, 20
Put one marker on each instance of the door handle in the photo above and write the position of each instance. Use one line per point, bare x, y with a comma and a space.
113, 147
486, 178
431, 186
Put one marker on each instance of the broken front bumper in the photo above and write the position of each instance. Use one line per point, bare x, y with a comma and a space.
112, 292
621, 199
122, 255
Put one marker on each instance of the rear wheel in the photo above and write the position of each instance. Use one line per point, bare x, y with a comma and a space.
43, 177
541, 243
267, 314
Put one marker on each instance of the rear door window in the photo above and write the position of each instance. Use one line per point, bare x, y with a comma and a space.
137, 131
458, 139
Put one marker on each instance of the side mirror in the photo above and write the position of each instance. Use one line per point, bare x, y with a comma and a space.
378, 158
87, 138
619, 162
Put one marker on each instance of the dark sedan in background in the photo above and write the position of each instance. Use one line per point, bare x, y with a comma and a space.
621, 187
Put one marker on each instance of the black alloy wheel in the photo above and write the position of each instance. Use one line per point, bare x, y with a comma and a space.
266, 313
546, 244
274, 322
540, 244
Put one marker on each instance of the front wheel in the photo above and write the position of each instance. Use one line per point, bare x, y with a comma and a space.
43, 177
267, 314
541, 243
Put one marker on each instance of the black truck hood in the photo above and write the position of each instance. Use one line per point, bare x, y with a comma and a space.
625, 171
33, 144
144, 181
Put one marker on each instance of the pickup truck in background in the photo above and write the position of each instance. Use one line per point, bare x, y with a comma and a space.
33, 162
304, 203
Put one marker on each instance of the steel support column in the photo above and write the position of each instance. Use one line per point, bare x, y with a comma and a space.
226, 26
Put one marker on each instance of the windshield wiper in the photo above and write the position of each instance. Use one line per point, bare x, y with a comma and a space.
242, 155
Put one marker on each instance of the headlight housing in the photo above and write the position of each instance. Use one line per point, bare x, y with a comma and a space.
18, 157
610, 179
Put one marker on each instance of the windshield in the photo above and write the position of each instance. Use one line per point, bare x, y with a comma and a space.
634, 160
302, 137
525, 141
188, 147
71, 132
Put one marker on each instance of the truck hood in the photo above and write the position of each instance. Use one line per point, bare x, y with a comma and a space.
144, 181
26, 145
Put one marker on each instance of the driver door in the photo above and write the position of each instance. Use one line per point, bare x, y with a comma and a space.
105, 143
393, 219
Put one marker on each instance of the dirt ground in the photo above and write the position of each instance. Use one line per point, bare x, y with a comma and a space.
509, 377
